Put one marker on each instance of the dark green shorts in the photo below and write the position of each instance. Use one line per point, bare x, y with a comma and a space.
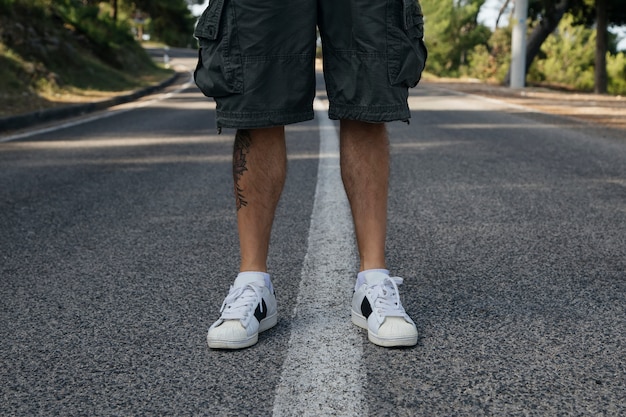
257, 59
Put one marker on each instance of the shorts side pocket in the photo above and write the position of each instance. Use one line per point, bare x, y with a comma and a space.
219, 71
406, 52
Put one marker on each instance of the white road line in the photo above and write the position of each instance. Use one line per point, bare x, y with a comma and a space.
322, 374
97, 116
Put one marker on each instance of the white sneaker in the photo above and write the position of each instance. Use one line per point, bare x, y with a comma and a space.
376, 307
248, 309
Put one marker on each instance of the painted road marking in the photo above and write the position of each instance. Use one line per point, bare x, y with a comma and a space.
100, 115
322, 374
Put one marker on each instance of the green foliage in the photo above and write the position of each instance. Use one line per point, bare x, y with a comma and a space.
10, 70
568, 57
112, 42
567, 60
616, 70
457, 47
50, 48
168, 21
451, 32
490, 62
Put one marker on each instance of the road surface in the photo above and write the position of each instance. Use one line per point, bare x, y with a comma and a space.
118, 244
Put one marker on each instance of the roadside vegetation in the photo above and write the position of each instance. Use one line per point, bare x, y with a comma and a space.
568, 44
55, 52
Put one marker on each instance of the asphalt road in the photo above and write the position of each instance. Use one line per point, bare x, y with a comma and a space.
118, 244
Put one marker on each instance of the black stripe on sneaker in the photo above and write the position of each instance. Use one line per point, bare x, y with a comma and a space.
366, 308
258, 314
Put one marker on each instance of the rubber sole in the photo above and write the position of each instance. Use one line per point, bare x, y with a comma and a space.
265, 324
361, 321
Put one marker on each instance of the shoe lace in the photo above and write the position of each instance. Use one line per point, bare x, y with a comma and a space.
386, 297
240, 302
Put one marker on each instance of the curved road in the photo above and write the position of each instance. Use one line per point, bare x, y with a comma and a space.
117, 246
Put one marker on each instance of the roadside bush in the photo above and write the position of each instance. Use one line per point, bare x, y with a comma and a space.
490, 62
616, 70
110, 41
451, 33
567, 57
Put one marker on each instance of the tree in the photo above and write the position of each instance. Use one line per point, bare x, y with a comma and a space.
600, 76
503, 8
603, 9
452, 31
567, 57
171, 20
489, 61
545, 16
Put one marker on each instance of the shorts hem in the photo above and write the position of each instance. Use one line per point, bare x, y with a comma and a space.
371, 114
245, 120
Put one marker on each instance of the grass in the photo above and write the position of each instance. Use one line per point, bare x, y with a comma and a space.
47, 62
28, 86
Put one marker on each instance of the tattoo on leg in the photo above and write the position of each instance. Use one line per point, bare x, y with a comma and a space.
241, 149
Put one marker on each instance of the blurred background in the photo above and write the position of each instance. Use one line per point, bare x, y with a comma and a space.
55, 52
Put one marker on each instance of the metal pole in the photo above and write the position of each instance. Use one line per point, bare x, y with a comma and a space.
518, 44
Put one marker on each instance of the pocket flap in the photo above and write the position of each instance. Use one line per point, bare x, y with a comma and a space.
209, 23
413, 15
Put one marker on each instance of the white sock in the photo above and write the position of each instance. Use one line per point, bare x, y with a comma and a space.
360, 278
266, 277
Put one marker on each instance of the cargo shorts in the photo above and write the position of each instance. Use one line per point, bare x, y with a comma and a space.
257, 59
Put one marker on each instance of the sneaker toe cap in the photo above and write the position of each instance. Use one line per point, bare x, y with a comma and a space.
397, 328
228, 330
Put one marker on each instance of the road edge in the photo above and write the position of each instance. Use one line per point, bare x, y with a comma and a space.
35, 118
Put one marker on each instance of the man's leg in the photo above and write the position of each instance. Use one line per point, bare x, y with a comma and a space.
376, 304
259, 171
278, 89
365, 173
